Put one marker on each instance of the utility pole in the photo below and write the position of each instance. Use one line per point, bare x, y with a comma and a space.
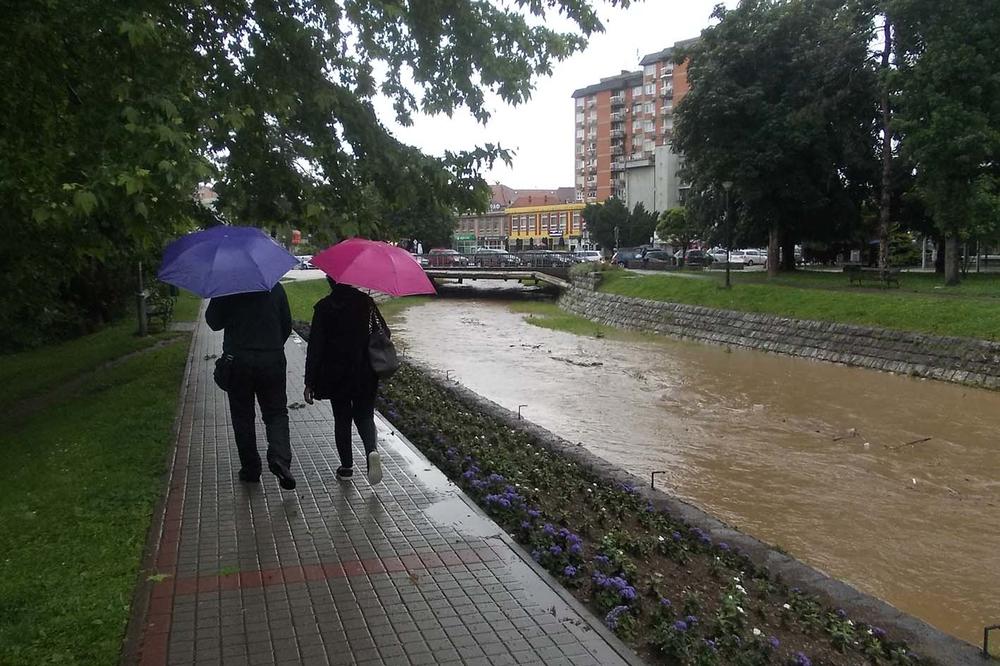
726, 186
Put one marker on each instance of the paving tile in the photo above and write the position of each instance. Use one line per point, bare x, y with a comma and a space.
338, 572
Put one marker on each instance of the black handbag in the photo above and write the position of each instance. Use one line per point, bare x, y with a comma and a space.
381, 352
223, 374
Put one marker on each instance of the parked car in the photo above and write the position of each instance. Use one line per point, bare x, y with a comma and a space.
694, 258
657, 259
420, 259
545, 258
627, 254
589, 255
492, 257
754, 257
441, 257
305, 261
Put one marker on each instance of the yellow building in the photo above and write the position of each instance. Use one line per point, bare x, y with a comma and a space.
556, 226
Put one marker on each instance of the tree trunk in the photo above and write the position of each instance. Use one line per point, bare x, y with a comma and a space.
952, 261
939, 255
884, 217
788, 253
773, 251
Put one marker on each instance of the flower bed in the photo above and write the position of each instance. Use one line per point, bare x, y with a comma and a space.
665, 588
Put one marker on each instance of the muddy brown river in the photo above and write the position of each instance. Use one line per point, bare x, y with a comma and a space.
764, 442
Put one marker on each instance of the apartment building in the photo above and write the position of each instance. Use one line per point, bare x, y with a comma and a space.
492, 227
624, 133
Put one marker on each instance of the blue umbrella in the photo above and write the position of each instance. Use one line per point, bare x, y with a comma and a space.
225, 260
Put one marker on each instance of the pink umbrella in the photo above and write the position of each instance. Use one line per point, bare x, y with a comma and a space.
374, 265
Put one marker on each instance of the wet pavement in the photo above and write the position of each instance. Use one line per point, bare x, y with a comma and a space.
407, 572
888, 482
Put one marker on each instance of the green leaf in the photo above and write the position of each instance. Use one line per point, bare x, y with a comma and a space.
85, 201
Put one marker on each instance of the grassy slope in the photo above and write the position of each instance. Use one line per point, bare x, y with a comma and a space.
303, 294
820, 297
75, 508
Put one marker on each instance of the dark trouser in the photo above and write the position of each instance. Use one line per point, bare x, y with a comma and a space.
362, 411
262, 375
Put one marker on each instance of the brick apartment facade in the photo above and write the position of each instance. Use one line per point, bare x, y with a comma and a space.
624, 131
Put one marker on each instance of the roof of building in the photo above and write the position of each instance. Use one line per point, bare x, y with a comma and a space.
668, 52
621, 81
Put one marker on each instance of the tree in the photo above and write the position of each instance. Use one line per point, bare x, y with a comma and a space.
640, 226
114, 113
782, 104
678, 229
949, 115
607, 223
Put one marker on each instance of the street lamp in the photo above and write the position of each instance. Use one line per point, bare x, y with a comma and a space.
728, 185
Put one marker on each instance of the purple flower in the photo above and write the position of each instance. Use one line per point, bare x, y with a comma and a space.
601, 560
649, 507
680, 625
548, 529
525, 525
773, 642
665, 603
676, 536
575, 549
600, 579
468, 474
536, 555
573, 538
495, 478
569, 571
556, 550
878, 633
627, 593
692, 620
723, 546
710, 643
802, 660
612, 619
534, 513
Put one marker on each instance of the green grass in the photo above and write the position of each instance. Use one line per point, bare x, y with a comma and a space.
984, 285
546, 314
303, 294
186, 307
76, 496
31, 373
812, 296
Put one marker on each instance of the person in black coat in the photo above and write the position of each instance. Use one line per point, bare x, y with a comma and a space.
338, 369
256, 326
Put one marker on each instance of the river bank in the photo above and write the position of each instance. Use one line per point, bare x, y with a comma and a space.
687, 588
967, 361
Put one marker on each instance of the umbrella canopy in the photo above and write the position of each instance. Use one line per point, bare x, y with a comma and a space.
225, 260
374, 265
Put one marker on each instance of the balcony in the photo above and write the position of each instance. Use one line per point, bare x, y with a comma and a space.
579, 119
615, 133
667, 92
667, 72
617, 116
618, 100
618, 166
667, 108
617, 149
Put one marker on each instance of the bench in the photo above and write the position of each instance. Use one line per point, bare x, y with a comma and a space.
160, 305
860, 275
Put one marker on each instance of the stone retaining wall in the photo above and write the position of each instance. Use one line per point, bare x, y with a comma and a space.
961, 360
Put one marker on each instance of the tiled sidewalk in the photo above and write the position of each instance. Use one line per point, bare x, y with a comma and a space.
409, 572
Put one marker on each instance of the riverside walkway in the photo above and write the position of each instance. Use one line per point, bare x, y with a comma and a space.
407, 572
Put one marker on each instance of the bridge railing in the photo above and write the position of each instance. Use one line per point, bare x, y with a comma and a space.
498, 260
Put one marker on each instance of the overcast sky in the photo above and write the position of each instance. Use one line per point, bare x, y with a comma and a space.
542, 130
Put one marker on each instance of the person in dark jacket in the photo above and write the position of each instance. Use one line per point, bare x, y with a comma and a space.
256, 326
338, 369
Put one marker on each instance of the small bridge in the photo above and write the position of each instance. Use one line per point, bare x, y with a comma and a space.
555, 276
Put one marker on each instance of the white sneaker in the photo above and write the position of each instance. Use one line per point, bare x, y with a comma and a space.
374, 467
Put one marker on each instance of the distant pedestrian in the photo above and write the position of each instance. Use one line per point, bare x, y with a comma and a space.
256, 326
338, 368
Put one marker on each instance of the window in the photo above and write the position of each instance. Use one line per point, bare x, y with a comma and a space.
636, 91
647, 107
545, 223
577, 222
650, 88
649, 70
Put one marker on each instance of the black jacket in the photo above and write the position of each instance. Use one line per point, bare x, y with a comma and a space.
337, 365
258, 321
